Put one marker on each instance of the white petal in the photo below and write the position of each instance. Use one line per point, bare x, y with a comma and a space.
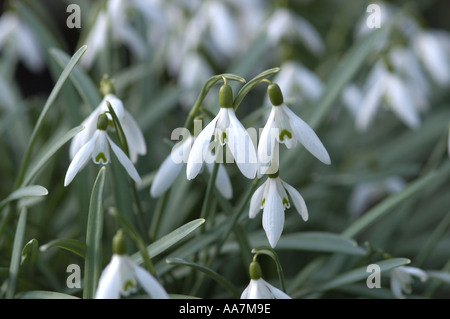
256, 289
369, 104
125, 161
307, 137
241, 146
277, 293
166, 175
396, 287
151, 286
256, 200
101, 147
273, 215
109, 284
90, 126
223, 183
266, 145
96, 39
134, 136
298, 200
79, 161
200, 146
417, 272
401, 103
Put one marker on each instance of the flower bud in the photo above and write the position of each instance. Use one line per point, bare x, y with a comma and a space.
119, 244
275, 95
226, 96
255, 270
106, 86
102, 122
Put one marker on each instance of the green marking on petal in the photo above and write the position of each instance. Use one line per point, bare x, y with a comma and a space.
284, 133
286, 203
263, 201
128, 286
101, 158
223, 138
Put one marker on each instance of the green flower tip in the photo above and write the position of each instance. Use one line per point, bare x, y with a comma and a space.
275, 95
226, 96
119, 244
106, 86
255, 270
102, 122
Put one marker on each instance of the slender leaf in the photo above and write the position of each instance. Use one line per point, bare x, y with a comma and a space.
93, 260
42, 294
170, 239
48, 152
23, 192
71, 245
51, 99
30, 251
16, 253
82, 82
224, 282
361, 273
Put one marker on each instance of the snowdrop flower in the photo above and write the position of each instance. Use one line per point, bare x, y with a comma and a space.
401, 279
258, 288
97, 148
385, 85
226, 130
122, 276
133, 134
15, 34
366, 194
272, 198
172, 165
284, 24
114, 18
284, 126
430, 48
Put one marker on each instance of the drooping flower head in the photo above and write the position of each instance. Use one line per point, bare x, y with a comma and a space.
133, 134
285, 127
122, 276
258, 288
401, 279
273, 197
227, 131
97, 149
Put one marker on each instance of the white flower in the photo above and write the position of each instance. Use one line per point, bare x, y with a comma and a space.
16, 35
97, 148
387, 86
284, 126
133, 134
114, 18
430, 48
172, 165
226, 130
258, 288
273, 199
284, 24
261, 289
401, 279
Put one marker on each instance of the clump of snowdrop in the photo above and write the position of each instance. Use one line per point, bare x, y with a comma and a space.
258, 288
122, 276
401, 280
